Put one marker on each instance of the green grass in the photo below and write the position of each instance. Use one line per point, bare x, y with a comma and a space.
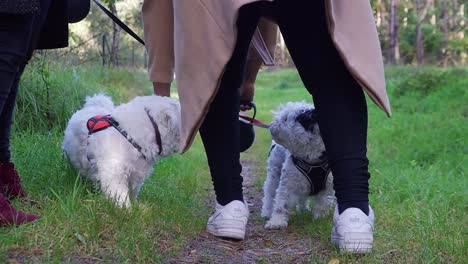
77, 221
418, 166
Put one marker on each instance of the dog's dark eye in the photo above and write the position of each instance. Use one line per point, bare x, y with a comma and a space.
308, 119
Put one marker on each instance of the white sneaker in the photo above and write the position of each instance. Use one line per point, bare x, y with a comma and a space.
229, 221
353, 230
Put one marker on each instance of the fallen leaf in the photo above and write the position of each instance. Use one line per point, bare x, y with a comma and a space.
12, 261
80, 238
334, 261
268, 243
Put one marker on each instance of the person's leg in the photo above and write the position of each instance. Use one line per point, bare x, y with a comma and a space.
342, 117
10, 183
18, 38
15, 35
220, 129
15, 38
220, 135
6, 117
338, 98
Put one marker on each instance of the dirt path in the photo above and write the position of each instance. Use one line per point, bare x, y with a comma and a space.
260, 245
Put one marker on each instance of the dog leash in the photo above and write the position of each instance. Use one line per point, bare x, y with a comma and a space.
252, 120
119, 22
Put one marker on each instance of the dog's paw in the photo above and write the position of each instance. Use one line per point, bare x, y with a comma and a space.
120, 200
125, 204
276, 224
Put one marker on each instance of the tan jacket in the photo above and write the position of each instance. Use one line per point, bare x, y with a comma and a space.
195, 38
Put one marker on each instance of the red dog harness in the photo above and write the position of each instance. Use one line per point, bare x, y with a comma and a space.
98, 123
101, 122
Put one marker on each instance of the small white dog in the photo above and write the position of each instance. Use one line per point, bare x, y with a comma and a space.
118, 146
297, 166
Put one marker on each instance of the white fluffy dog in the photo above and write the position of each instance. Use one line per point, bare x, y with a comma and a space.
297, 151
119, 150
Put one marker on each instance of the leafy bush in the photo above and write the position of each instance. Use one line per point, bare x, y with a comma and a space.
423, 81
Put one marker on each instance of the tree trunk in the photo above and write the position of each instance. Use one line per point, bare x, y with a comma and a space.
463, 54
379, 15
114, 54
419, 41
445, 29
433, 19
454, 15
104, 49
381, 26
421, 13
392, 54
405, 18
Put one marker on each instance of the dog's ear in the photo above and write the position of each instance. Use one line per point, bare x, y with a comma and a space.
308, 119
168, 117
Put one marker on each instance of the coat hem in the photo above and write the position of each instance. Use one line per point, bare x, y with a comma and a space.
199, 122
377, 100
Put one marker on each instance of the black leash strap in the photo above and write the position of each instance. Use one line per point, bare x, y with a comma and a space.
119, 22
116, 125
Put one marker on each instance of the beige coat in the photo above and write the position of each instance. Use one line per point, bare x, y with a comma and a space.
195, 38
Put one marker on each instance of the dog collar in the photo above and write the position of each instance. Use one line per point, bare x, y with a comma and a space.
315, 173
156, 131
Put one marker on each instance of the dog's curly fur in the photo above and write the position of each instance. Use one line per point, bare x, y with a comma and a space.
295, 132
107, 157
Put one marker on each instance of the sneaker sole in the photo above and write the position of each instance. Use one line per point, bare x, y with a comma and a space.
354, 242
228, 233
234, 229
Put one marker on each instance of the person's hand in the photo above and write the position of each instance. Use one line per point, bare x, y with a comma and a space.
247, 94
162, 89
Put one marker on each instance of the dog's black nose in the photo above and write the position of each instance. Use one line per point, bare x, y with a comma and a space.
308, 119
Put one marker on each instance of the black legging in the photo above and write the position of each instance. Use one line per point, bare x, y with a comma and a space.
19, 35
338, 98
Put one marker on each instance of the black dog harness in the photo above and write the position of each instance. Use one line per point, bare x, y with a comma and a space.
101, 122
315, 173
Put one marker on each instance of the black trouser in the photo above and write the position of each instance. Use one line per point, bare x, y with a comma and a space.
18, 38
338, 98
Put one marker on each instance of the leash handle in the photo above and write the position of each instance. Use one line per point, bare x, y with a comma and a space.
119, 22
252, 120
251, 104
